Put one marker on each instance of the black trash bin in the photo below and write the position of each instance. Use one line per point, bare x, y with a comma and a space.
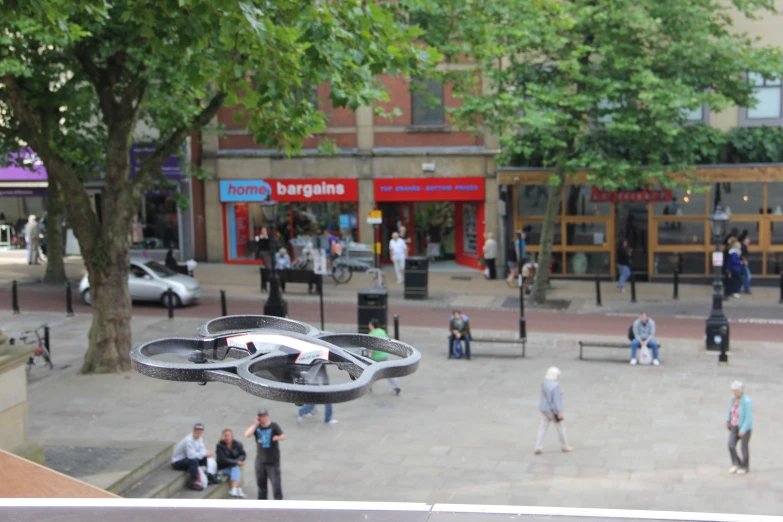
373, 304
416, 270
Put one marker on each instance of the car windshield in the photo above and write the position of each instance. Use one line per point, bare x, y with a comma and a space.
159, 270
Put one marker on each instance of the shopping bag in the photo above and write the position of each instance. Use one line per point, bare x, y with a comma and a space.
486, 273
212, 466
203, 481
645, 357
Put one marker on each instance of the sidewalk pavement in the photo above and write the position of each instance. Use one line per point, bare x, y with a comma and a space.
460, 432
453, 288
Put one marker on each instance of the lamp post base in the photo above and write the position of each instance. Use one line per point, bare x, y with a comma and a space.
275, 305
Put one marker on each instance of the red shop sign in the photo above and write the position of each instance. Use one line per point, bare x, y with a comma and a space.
298, 190
629, 196
429, 189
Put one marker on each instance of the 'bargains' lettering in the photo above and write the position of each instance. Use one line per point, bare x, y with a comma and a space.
309, 190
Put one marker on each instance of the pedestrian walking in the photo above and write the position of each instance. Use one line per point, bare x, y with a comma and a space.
623, 264
398, 251
31, 236
375, 330
745, 259
735, 268
551, 407
739, 422
308, 410
268, 436
490, 253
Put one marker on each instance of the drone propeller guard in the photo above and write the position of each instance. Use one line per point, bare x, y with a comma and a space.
274, 358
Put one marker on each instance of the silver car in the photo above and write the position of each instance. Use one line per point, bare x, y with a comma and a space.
149, 281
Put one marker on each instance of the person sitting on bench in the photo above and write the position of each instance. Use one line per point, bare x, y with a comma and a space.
459, 330
644, 332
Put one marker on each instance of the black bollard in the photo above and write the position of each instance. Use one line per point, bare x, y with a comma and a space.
68, 299
781, 288
223, 311
261, 278
597, 290
676, 285
14, 298
397, 327
46, 341
633, 288
170, 302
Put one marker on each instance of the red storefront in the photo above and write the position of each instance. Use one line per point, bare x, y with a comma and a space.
447, 212
304, 207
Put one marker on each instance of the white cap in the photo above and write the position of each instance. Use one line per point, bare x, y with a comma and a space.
737, 385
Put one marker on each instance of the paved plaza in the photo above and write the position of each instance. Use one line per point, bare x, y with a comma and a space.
461, 432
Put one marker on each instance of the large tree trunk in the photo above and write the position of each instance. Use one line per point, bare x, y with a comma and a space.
110, 333
547, 237
55, 243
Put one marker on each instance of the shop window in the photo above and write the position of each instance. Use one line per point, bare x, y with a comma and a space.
775, 233
768, 102
737, 228
159, 222
469, 228
244, 222
774, 263
681, 202
775, 198
592, 234
338, 218
531, 200
681, 232
533, 233
664, 263
755, 262
585, 200
739, 198
427, 103
579, 263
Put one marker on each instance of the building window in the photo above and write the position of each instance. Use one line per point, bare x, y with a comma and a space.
427, 103
768, 102
700, 114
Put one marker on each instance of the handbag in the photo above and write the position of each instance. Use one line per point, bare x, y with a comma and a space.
552, 410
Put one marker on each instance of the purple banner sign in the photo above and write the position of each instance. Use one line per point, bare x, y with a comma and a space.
22, 192
24, 166
171, 167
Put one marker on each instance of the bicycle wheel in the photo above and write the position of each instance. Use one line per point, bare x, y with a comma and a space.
341, 274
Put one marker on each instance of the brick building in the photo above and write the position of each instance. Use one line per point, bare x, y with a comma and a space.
417, 168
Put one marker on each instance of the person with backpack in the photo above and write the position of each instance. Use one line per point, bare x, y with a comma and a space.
376, 331
643, 332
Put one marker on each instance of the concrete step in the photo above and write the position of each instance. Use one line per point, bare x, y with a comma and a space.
144, 468
164, 482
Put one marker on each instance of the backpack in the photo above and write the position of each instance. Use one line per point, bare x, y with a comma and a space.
631, 335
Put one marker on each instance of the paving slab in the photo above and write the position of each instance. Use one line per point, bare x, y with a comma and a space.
644, 437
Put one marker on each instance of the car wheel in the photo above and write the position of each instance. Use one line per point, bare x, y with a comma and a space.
87, 297
176, 302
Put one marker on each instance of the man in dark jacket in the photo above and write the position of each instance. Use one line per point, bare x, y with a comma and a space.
230, 458
459, 330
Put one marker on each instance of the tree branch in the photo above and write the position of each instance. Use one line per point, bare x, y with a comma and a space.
103, 81
155, 161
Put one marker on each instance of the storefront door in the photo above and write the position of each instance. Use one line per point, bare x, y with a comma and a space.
394, 216
632, 224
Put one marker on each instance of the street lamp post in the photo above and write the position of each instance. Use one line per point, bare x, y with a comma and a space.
717, 326
275, 305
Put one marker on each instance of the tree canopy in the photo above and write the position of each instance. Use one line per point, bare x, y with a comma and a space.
603, 85
81, 80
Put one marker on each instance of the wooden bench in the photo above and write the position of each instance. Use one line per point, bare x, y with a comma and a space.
604, 344
473, 340
293, 276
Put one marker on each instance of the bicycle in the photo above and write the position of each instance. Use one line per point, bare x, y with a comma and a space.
41, 352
